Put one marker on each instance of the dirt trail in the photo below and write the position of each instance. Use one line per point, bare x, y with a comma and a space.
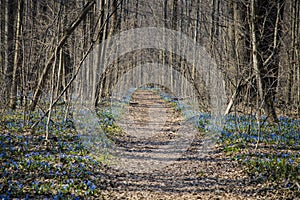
148, 169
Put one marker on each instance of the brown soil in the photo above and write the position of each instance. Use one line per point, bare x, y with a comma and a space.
146, 170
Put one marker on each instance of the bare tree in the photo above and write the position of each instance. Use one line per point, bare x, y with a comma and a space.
54, 52
244, 37
266, 18
13, 93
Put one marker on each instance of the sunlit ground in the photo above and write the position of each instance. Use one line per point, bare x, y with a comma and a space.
64, 167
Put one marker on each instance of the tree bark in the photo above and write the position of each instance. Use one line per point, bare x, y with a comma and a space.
13, 92
2, 42
266, 17
52, 56
10, 34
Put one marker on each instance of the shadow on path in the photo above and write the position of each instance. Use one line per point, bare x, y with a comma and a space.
147, 167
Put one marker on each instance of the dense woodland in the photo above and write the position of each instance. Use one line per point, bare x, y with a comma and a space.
255, 44
46, 59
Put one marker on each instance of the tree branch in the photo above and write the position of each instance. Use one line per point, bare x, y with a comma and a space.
50, 60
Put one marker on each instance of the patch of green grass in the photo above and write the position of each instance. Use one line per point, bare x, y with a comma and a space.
108, 124
274, 168
231, 149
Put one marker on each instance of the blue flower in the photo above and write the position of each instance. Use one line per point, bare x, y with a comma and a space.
2, 154
92, 187
70, 181
66, 186
20, 185
284, 155
35, 182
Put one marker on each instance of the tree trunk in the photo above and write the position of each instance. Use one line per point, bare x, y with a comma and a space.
52, 56
266, 17
2, 43
10, 32
13, 92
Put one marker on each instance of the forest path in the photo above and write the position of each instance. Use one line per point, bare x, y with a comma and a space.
145, 169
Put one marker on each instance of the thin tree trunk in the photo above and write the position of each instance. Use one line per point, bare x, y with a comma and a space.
256, 64
3, 43
298, 55
52, 56
10, 32
13, 94
291, 54
265, 22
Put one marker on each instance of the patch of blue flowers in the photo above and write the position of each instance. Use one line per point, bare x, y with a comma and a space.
59, 169
267, 150
271, 151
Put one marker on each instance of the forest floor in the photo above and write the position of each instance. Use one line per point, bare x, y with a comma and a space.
144, 170
150, 152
